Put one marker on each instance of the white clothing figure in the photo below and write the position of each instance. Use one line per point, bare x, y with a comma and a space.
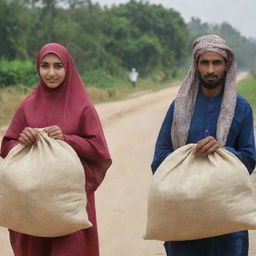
133, 76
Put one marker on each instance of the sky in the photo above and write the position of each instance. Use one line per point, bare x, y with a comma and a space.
241, 14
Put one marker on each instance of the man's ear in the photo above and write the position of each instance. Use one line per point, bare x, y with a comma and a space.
195, 65
228, 62
227, 65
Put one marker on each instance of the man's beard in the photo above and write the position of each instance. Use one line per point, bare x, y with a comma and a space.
212, 84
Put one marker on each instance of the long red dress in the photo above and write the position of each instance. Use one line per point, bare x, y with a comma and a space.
69, 107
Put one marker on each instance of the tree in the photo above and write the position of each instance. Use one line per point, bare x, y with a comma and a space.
13, 29
147, 36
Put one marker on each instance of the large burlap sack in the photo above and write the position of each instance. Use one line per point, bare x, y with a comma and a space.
194, 197
42, 189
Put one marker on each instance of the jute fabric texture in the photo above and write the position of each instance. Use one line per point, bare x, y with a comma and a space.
194, 197
42, 190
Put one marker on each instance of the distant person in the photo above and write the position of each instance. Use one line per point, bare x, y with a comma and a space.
133, 77
61, 106
207, 111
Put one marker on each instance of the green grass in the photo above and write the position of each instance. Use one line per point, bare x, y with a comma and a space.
247, 88
120, 88
11, 96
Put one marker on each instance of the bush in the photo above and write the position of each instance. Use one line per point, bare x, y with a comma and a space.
100, 79
17, 72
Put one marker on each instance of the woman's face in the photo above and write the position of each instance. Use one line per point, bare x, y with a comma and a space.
52, 70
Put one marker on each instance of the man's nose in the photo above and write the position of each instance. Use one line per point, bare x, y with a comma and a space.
210, 69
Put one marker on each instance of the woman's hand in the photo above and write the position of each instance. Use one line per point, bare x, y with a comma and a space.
207, 146
54, 132
28, 136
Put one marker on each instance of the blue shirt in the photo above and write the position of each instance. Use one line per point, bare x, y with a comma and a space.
240, 142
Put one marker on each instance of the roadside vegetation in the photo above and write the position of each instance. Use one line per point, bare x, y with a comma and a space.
11, 96
106, 43
247, 88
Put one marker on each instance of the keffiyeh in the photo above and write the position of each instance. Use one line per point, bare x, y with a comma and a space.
186, 97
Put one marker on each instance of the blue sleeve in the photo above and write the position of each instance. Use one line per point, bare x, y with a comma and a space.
163, 145
244, 147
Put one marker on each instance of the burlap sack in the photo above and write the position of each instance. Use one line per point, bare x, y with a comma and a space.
193, 197
42, 189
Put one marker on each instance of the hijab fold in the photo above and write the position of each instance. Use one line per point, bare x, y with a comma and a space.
69, 107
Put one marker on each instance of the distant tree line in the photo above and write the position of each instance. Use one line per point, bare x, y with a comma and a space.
244, 48
109, 40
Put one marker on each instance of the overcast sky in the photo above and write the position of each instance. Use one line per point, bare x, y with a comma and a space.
241, 14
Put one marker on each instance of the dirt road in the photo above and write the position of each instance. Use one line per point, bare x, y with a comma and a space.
122, 198
131, 127
131, 133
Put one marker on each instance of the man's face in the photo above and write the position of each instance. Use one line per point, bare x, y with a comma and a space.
211, 67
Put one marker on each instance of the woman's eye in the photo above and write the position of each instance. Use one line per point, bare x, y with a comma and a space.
44, 65
59, 66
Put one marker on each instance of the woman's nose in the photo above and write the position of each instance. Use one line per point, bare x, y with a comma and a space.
51, 71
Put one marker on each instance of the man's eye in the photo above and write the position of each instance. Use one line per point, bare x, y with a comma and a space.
217, 62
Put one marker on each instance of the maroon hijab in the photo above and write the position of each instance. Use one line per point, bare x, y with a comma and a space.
69, 107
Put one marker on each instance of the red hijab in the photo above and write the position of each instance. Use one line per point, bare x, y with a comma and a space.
69, 107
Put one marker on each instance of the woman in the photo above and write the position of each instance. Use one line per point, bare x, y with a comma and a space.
61, 105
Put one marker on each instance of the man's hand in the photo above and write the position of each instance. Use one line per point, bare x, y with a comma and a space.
54, 132
28, 136
207, 146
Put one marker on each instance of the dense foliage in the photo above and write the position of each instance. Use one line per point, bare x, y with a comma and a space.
17, 72
105, 42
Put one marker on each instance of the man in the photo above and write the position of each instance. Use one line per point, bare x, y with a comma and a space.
133, 77
207, 111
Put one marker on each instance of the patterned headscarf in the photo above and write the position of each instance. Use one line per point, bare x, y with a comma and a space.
186, 97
